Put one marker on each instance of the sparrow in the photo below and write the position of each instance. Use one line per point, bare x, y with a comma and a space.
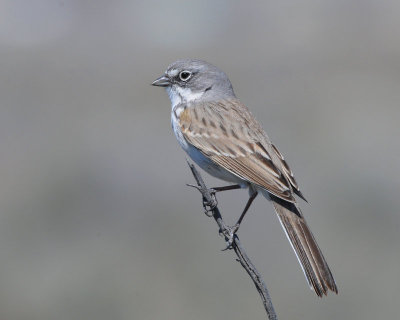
221, 135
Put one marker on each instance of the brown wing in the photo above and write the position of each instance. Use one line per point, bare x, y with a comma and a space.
287, 172
228, 134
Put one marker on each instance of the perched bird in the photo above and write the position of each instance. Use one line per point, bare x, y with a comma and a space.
221, 135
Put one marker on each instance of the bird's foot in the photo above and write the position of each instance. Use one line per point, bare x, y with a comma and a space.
229, 233
208, 205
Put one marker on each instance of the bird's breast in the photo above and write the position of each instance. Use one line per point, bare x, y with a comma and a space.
178, 112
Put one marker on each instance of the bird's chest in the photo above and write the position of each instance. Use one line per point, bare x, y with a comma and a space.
175, 118
180, 113
194, 153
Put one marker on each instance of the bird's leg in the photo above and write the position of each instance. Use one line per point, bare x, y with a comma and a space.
230, 232
246, 208
226, 188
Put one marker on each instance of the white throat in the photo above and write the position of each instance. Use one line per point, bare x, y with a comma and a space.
179, 95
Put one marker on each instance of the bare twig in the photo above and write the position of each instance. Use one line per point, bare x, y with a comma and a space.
211, 206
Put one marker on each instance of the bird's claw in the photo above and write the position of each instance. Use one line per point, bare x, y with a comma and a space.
209, 206
229, 233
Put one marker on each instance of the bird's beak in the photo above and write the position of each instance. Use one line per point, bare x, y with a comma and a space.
162, 81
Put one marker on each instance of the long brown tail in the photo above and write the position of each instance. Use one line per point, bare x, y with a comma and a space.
306, 248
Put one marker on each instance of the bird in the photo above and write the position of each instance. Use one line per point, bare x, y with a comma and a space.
221, 135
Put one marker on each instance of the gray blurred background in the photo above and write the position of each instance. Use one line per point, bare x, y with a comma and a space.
95, 219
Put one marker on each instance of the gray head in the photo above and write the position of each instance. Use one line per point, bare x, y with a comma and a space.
187, 80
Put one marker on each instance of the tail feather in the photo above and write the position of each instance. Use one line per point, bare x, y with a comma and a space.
306, 248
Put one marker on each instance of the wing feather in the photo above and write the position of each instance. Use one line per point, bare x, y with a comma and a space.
228, 134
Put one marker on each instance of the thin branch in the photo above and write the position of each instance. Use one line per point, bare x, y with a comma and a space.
211, 206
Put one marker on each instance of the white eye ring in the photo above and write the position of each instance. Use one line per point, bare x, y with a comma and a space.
185, 75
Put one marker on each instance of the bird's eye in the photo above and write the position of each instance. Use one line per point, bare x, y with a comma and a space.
185, 75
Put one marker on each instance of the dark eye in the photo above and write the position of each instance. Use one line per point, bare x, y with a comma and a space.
185, 75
